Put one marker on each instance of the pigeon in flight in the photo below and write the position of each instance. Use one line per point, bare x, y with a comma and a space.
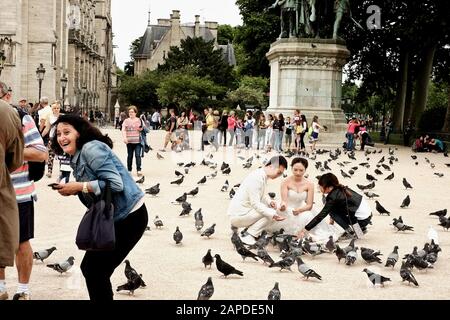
381, 209
44, 254
406, 184
225, 186
158, 222
392, 258
141, 180
306, 271
209, 231
406, 202
153, 191
208, 259
62, 266
206, 291
179, 181
275, 293
225, 268
407, 275
177, 236
376, 278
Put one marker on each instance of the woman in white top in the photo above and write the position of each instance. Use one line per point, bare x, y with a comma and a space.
315, 132
56, 109
297, 197
269, 132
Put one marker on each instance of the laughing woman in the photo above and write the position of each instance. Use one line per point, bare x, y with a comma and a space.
94, 163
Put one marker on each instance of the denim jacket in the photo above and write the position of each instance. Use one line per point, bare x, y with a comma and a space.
96, 163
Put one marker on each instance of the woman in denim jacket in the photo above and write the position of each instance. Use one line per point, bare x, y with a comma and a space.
93, 164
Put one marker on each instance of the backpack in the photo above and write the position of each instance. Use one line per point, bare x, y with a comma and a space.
35, 169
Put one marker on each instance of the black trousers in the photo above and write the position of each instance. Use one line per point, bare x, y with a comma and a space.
344, 222
98, 266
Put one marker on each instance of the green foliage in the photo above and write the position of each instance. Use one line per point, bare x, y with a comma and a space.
258, 83
201, 55
225, 34
438, 95
140, 90
187, 90
247, 95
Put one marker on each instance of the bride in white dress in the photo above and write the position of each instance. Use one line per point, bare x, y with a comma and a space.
297, 197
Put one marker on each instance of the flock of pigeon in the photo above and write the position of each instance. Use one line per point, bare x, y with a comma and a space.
280, 251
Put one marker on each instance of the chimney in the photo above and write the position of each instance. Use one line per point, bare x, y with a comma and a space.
197, 26
164, 22
175, 28
212, 26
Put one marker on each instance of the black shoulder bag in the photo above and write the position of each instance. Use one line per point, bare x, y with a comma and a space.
96, 230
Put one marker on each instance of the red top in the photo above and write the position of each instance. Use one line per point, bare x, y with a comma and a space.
231, 123
351, 127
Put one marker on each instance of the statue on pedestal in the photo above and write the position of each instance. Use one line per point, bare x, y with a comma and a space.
289, 17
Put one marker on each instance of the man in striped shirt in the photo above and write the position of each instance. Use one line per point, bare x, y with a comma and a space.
35, 150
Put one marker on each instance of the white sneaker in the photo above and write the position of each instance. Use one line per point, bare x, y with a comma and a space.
248, 239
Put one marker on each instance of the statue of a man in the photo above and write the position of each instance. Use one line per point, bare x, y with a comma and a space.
289, 17
340, 7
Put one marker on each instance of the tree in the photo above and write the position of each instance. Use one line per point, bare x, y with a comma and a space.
202, 56
225, 34
134, 47
140, 90
251, 91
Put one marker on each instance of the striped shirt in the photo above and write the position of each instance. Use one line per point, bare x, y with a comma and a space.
25, 190
131, 129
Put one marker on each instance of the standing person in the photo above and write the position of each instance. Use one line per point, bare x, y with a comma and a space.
239, 132
408, 131
156, 120
44, 114
11, 157
94, 164
288, 133
181, 131
304, 129
269, 133
211, 128
296, 121
56, 110
364, 136
171, 126
388, 129
231, 127
352, 124
91, 116
202, 124
346, 207
262, 129
249, 125
223, 127
25, 192
315, 132
250, 207
131, 133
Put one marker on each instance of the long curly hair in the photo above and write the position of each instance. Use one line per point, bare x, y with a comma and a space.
86, 130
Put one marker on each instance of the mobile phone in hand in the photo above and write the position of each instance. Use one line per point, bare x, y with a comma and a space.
55, 186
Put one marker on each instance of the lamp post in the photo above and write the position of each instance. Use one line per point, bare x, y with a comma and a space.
64, 81
40, 73
83, 96
2, 60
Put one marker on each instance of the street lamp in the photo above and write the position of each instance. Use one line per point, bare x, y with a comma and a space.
2, 60
83, 96
40, 73
64, 81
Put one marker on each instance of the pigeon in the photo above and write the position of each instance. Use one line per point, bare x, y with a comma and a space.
209, 232
390, 177
330, 245
440, 213
182, 198
405, 202
224, 166
381, 160
245, 253
160, 157
225, 186
370, 255
193, 192
386, 167
376, 278
345, 175
158, 222
406, 184
407, 275
226, 171
186, 209
179, 181
44, 254
62, 266
131, 285
262, 242
398, 223
141, 180
232, 193
369, 186
350, 247
371, 195
370, 177
275, 293
440, 175
225, 268
286, 263
208, 259
392, 258
198, 219
235, 239
153, 190
177, 236
444, 222
351, 256
306, 271
213, 175
180, 164
420, 263
131, 273
264, 256
381, 209
147, 228
414, 157
378, 172
340, 254
427, 160
312, 248
202, 180
206, 291
186, 170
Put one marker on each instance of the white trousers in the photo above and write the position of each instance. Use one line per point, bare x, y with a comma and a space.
255, 222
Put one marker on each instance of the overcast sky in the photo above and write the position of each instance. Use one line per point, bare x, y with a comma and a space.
130, 18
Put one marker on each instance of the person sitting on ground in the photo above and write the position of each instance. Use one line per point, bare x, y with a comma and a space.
418, 145
436, 145
250, 207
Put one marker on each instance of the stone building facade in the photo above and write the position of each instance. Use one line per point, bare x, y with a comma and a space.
71, 38
158, 39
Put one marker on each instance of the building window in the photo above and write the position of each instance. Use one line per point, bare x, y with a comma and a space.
9, 49
54, 55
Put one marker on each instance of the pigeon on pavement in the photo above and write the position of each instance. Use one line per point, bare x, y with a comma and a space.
306, 271
407, 275
376, 278
209, 231
158, 222
206, 291
381, 209
275, 293
392, 258
179, 181
44, 254
62, 266
141, 180
153, 190
225, 268
406, 184
406, 202
208, 259
177, 236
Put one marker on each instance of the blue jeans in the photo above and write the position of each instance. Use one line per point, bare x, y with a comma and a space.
136, 149
350, 138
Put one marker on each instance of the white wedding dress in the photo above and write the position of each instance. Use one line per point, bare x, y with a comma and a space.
293, 224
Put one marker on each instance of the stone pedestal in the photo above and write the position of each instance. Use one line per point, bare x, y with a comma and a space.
306, 74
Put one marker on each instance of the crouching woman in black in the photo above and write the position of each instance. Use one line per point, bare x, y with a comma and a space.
345, 207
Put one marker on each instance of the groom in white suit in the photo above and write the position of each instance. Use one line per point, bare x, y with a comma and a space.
251, 207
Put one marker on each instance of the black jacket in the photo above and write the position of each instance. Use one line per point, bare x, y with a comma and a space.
335, 202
